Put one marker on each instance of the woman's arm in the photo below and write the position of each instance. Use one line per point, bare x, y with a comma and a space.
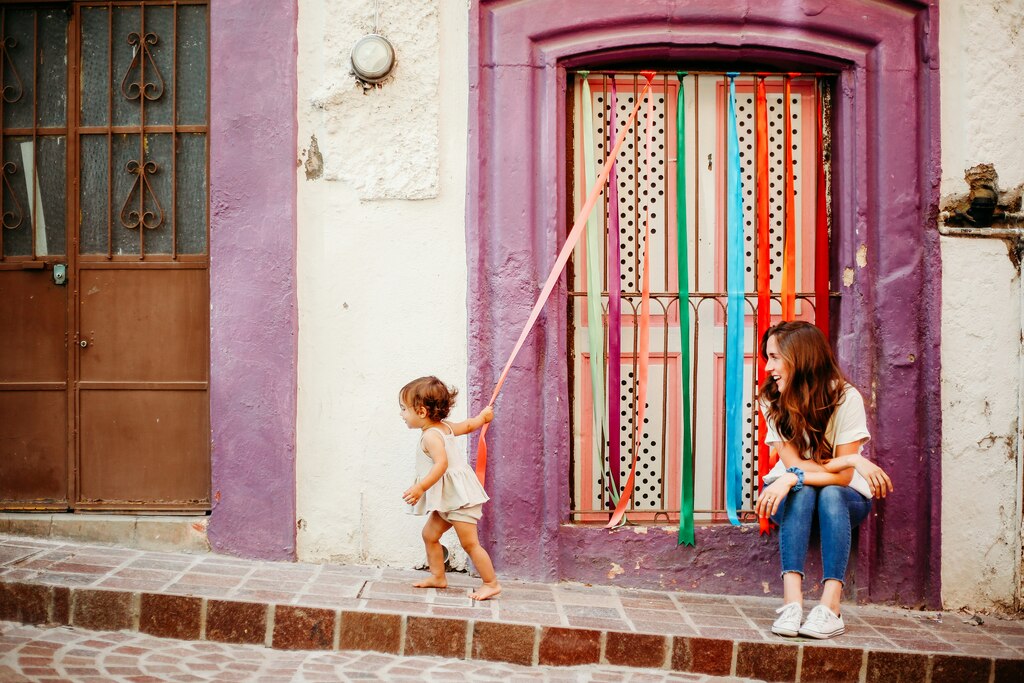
434, 446
814, 474
848, 459
473, 423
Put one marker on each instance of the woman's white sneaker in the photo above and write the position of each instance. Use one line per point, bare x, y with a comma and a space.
822, 623
788, 623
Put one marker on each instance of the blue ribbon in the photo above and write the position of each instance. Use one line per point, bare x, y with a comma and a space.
734, 318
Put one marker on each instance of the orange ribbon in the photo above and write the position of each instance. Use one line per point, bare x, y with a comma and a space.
644, 339
789, 237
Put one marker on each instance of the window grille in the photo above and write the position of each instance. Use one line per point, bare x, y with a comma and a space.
641, 189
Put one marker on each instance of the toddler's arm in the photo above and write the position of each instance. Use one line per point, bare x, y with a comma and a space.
434, 446
473, 423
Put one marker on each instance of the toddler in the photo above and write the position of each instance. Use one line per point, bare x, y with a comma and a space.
446, 489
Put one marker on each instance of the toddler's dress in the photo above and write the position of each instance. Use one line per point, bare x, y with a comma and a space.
458, 495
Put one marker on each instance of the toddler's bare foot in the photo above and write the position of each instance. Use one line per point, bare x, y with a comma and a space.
432, 582
485, 591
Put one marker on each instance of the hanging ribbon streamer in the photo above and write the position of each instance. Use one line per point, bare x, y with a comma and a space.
595, 321
821, 288
614, 252
789, 237
764, 314
683, 273
556, 272
734, 318
643, 346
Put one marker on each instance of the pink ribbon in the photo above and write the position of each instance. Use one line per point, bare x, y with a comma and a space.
556, 272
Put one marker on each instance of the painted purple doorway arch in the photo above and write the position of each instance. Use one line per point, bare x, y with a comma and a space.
253, 343
886, 323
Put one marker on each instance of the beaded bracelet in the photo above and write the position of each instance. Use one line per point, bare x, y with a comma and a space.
799, 477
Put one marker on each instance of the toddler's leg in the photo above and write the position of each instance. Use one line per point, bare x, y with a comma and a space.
432, 532
481, 560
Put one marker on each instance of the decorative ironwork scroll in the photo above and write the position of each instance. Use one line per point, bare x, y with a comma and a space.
5, 61
151, 90
11, 219
133, 218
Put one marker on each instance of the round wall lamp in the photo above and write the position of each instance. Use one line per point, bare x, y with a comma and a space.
372, 58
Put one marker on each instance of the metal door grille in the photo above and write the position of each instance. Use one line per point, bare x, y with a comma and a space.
639, 188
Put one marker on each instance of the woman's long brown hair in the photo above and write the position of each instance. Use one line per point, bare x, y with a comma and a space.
816, 387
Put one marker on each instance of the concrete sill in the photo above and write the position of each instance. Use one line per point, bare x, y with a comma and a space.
145, 532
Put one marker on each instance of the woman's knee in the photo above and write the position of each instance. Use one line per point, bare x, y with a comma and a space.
832, 498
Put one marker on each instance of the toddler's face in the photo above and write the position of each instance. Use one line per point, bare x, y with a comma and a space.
409, 416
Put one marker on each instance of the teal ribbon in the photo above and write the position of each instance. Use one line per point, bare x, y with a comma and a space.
683, 271
734, 318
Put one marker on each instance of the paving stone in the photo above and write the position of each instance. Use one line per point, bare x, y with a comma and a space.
369, 631
503, 642
635, 650
303, 628
767, 661
170, 616
569, 646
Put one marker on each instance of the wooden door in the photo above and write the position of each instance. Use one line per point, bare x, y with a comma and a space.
132, 320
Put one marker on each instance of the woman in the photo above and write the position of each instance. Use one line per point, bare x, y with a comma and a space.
816, 423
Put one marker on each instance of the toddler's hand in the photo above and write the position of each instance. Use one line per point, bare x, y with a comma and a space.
413, 494
487, 414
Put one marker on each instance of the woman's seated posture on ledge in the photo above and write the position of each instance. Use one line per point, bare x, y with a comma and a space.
816, 423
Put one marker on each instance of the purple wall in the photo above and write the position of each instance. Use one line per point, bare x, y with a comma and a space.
886, 325
252, 277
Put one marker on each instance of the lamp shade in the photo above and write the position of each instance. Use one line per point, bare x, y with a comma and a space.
372, 58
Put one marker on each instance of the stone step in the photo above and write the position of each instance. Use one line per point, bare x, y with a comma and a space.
331, 607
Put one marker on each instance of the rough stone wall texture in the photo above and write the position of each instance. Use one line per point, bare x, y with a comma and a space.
982, 81
382, 283
252, 278
382, 143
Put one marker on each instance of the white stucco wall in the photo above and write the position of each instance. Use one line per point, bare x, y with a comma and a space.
982, 86
381, 265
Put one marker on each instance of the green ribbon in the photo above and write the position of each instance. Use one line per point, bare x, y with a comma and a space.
595, 318
683, 268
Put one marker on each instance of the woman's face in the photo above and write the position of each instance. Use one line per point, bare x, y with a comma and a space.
776, 366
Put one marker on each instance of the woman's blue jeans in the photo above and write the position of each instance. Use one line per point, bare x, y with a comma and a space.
839, 509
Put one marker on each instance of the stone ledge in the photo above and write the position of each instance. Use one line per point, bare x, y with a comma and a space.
288, 627
146, 532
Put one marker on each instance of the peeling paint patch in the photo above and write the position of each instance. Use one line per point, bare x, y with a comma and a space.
615, 570
640, 530
847, 276
765, 588
314, 160
862, 256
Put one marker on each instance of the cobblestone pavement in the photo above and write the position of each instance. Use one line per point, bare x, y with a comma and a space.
34, 654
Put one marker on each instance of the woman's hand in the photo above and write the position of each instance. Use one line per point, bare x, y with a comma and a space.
413, 494
487, 414
773, 494
877, 479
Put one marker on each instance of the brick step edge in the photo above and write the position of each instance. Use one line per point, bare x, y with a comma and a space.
288, 627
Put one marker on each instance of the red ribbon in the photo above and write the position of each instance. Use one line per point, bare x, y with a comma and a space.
556, 270
643, 342
821, 293
764, 314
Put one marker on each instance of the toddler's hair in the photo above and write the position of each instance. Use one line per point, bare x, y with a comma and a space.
430, 393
